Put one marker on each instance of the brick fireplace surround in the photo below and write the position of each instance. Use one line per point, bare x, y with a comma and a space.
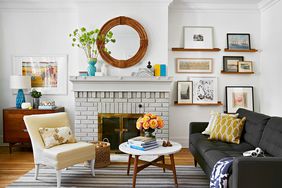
130, 95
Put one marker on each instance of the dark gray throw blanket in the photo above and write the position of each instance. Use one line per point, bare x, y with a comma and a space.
220, 173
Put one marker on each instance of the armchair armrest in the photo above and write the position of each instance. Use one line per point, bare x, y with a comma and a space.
258, 172
197, 127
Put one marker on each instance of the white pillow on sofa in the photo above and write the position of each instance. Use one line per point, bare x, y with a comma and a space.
213, 119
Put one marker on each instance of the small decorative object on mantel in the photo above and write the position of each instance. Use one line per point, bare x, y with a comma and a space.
238, 41
149, 123
36, 98
198, 37
160, 70
149, 66
86, 40
83, 73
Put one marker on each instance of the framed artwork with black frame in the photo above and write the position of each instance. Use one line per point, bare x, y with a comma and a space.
230, 63
239, 97
185, 92
238, 41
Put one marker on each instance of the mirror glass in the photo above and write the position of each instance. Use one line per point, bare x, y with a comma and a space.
127, 42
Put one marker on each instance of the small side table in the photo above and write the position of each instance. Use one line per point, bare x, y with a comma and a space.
160, 152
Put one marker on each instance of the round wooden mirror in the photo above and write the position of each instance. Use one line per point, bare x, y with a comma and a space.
137, 57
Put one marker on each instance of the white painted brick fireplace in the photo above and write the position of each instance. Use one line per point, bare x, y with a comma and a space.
129, 95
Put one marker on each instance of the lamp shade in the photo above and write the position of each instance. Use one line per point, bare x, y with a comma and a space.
20, 82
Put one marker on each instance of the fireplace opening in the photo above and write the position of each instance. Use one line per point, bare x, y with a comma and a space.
117, 128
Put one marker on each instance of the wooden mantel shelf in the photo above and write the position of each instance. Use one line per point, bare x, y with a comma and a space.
195, 49
219, 103
223, 72
251, 50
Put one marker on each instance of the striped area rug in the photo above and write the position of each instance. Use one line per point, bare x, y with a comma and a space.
114, 176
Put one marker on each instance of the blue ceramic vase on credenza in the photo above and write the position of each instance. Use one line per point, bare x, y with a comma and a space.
91, 67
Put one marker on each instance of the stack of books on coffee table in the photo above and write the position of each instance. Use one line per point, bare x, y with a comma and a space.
142, 143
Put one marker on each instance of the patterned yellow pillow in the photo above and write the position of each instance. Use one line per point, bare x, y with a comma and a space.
56, 136
228, 129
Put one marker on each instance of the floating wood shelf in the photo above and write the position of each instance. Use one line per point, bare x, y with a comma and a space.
223, 72
219, 103
195, 49
251, 50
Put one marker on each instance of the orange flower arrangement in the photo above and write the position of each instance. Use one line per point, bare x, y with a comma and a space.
149, 121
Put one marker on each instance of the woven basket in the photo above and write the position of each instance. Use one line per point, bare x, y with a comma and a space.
102, 155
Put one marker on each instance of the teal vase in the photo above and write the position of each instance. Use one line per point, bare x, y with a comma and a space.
91, 67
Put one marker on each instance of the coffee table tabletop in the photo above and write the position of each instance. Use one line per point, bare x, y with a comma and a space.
176, 147
159, 161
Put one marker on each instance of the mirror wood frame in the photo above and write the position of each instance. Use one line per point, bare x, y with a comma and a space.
123, 20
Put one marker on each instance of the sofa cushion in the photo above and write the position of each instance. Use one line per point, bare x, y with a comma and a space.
254, 126
271, 141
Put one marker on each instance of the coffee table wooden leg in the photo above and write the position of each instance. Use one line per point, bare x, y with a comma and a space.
129, 163
163, 159
173, 168
135, 170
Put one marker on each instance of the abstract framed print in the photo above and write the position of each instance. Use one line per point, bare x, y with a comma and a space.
48, 73
239, 97
194, 65
238, 41
198, 37
184, 92
204, 90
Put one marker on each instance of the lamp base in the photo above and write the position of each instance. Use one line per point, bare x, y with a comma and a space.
20, 99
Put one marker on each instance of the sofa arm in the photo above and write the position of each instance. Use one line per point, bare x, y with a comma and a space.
258, 172
197, 127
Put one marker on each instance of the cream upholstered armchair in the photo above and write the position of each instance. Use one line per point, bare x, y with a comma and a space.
61, 156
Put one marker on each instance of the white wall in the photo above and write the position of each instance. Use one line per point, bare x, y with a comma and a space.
223, 21
271, 65
42, 29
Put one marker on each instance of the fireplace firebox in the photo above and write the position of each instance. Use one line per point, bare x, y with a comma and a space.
117, 128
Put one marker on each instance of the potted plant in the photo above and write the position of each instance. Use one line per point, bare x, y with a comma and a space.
36, 98
86, 40
149, 123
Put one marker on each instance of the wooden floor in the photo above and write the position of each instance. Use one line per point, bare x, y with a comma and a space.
14, 165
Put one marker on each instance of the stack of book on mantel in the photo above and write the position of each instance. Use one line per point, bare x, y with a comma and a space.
143, 143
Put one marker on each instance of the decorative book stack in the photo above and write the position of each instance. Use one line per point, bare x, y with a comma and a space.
143, 143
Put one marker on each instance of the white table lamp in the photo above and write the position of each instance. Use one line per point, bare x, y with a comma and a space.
20, 83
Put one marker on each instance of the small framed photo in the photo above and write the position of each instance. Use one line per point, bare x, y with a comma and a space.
230, 63
245, 66
194, 65
184, 92
238, 41
239, 97
198, 37
204, 90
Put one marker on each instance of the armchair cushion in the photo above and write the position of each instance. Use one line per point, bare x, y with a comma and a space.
65, 155
56, 136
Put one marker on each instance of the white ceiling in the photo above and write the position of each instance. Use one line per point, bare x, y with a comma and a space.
221, 1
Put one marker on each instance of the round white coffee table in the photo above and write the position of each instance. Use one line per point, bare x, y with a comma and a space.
160, 152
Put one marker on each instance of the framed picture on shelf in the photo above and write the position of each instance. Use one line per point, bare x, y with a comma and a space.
184, 92
198, 37
49, 74
245, 66
230, 63
204, 90
239, 97
194, 65
238, 41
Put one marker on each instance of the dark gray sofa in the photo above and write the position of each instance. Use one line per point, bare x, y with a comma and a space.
259, 131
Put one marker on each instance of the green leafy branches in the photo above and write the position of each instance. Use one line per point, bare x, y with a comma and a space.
35, 94
86, 40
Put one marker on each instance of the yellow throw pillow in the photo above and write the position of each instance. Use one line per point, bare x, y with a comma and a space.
228, 129
56, 136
